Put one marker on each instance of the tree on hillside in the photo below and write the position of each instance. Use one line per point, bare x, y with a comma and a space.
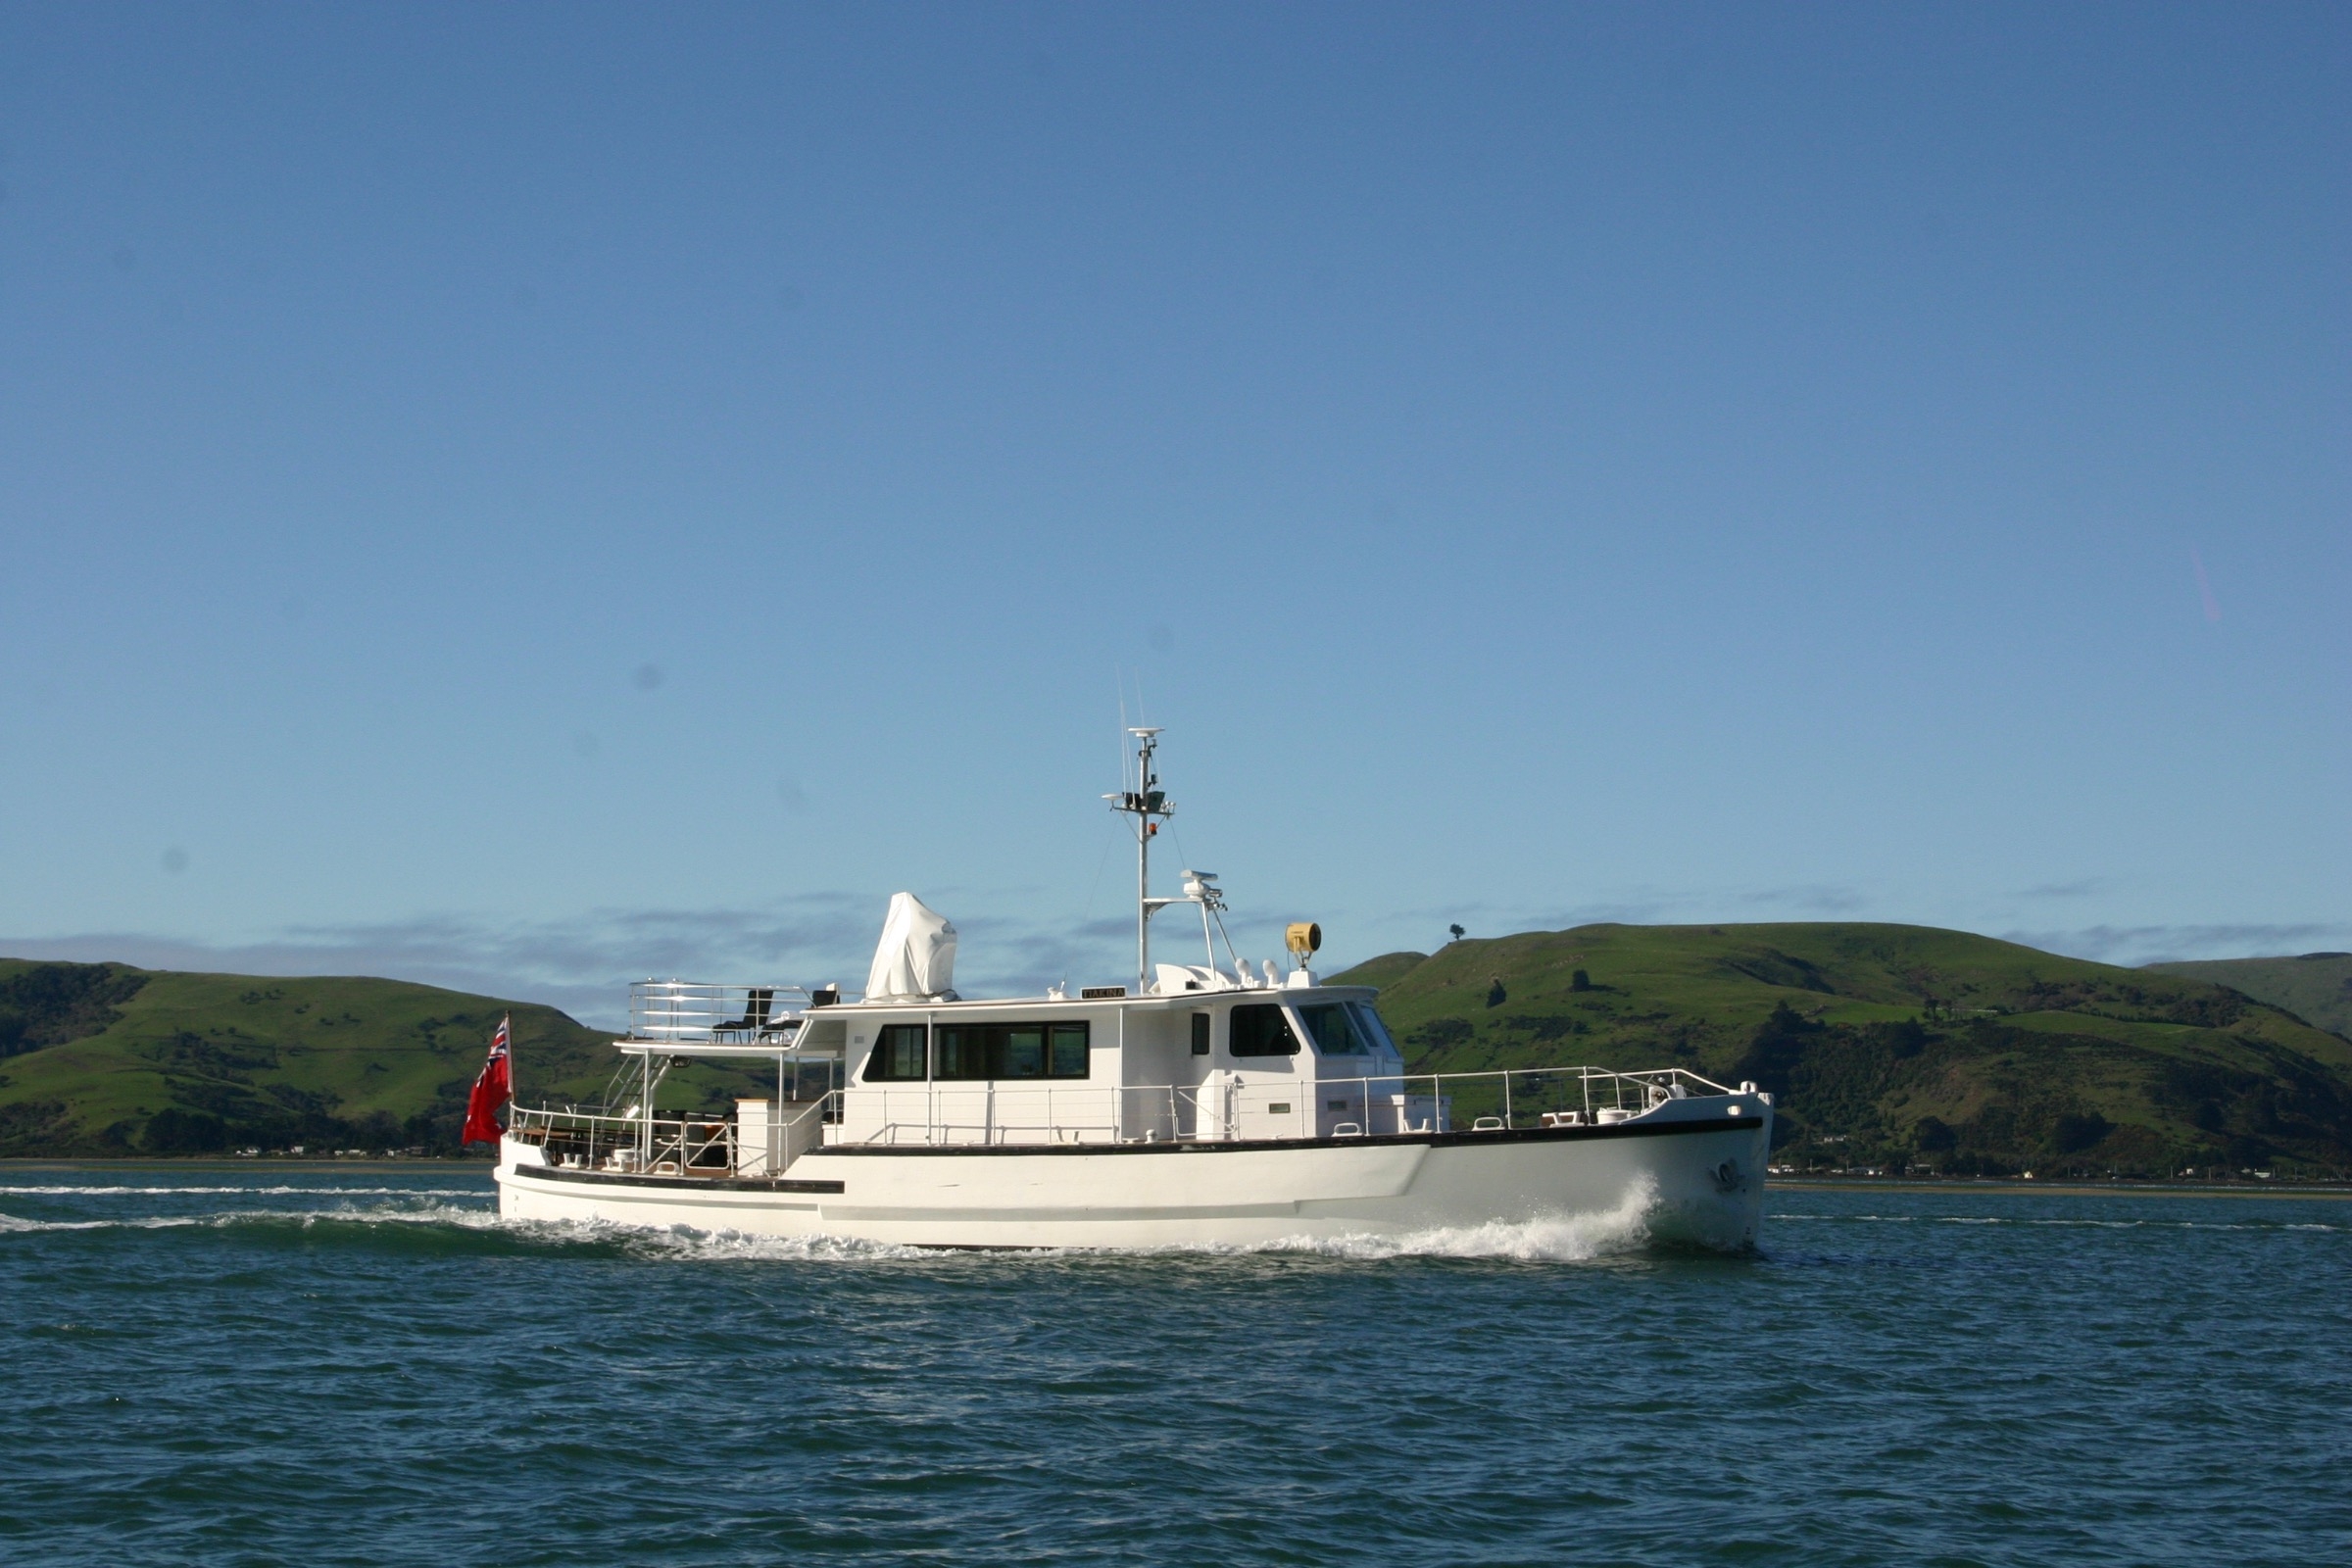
172, 1131
1457, 932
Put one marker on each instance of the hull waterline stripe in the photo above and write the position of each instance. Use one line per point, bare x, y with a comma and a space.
732, 1184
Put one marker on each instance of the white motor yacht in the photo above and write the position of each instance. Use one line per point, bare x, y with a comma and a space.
1201, 1104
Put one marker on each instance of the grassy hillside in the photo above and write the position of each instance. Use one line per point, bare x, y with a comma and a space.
1900, 1045
2316, 987
104, 1058
1884, 1044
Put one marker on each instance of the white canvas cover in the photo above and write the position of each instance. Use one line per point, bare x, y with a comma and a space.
916, 955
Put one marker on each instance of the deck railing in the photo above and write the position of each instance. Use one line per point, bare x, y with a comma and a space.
1244, 1106
673, 1143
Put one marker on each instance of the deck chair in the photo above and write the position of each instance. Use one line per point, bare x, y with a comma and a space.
755, 1014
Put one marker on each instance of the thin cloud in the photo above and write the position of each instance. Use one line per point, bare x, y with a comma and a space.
2083, 889
1814, 898
584, 965
1607, 911
2158, 943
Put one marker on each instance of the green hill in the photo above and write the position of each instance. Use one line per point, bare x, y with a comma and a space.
1896, 1045
2316, 987
101, 1058
1885, 1045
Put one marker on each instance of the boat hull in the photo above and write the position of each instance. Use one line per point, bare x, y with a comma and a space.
1692, 1171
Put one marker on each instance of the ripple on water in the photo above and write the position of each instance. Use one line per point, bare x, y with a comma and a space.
377, 1369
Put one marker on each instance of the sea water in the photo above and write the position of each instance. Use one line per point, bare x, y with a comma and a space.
300, 1364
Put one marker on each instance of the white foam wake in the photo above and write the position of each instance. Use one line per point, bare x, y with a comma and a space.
228, 1189
1552, 1237
429, 1214
724, 1246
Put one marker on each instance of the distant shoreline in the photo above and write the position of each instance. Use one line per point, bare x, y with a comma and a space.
2018, 1187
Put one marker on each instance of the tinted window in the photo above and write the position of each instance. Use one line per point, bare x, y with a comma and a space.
962, 1052
972, 1051
1200, 1034
898, 1054
1334, 1030
1070, 1050
1024, 1051
1260, 1030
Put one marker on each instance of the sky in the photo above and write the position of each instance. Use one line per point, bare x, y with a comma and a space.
526, 497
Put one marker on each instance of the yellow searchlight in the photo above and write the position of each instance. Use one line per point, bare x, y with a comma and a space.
1305, 938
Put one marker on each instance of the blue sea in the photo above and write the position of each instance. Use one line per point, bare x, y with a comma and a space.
308, 1364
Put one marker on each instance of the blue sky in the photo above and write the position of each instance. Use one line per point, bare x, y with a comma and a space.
525, 497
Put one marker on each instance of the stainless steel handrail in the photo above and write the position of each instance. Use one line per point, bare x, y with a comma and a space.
1493, 1099
1496, 1100
691, 1010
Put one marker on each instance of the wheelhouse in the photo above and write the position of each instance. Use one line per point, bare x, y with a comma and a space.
1243, 1063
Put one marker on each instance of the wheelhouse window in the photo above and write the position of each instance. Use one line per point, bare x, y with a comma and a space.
1259, 1029
898, 1055
1375, 1030
972, 1052
1335, 1030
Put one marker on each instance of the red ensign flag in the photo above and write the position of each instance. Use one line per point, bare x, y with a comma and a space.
493, 1089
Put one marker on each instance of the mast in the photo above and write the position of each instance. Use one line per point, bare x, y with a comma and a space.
1145, 803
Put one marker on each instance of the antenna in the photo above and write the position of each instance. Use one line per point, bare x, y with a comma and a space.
1149, 805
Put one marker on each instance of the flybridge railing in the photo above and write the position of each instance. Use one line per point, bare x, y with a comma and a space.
690, 1012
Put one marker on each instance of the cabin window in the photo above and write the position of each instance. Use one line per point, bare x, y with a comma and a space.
1335, 1030
962, 1053
1374, 1029
1260, 1030
1070, 1049
1024, 1051
972, 1052
898, 1054
1200, 1034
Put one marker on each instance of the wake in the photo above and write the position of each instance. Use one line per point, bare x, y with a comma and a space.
1577, 1238
445, 1214
1548, 1239
225, 1189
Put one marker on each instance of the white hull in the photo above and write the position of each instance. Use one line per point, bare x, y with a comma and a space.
1692, 1169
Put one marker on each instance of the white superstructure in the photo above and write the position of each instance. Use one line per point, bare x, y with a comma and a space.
1201, 1104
